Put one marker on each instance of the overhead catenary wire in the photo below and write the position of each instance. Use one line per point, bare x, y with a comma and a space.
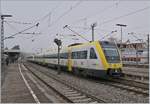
108, 34
49, 19
79, 27
38, 20
11, 26
33, 33
89, 16
100, 13
66, 26
22, 31
65, 13
138, 27
104, 9
18, 22
45, 16
132, 33
125, 15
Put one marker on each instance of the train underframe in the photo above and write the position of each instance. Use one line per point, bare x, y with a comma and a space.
88, 72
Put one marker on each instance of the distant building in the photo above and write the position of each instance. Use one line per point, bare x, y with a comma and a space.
13, 54
134, 53
132, 45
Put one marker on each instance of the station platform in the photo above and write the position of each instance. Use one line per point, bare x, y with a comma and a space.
15, 90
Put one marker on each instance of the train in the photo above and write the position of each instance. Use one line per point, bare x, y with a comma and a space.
97, 58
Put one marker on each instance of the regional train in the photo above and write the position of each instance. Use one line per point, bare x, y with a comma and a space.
98, 58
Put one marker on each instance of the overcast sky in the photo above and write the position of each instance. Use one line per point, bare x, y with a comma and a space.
79, 15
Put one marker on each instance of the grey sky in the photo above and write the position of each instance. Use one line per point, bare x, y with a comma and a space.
76, 14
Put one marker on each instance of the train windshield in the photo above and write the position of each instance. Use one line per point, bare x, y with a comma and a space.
111, 52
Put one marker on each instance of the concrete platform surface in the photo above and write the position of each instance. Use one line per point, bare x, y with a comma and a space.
15, 89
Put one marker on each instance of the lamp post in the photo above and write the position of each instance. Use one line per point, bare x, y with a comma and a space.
2, 37
58, 43
121, 25
93, 26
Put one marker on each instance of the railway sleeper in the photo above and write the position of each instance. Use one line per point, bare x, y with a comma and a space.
74, 92
145, 91
137, 77
87, 100
77, 97
69, 90
78, 94
66, 88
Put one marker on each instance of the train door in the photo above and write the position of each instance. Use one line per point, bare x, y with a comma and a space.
69, 61
93, 62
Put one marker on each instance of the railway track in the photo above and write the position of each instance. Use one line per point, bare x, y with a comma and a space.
137, 77
130, 85
125, 84
67, 91
138, 84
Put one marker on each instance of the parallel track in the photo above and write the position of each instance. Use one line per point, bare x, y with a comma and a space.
138, 84
125, 84
137, 77
69, 92
130, 85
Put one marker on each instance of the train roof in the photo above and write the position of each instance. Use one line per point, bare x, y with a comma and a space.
104, 43
75, 44
81, 44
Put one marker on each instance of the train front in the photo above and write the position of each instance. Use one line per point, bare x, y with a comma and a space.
113, 63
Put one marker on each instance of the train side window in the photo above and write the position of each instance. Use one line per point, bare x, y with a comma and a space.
66, 55
73, 55
92, 54
79, 55
61, 55
83, 54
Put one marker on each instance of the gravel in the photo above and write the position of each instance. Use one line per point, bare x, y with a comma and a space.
103, 91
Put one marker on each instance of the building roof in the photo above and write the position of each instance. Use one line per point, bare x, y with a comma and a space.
12, 51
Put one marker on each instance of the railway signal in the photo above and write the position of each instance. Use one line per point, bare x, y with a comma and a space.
58, 43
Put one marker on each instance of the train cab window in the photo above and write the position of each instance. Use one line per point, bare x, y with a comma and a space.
92, 54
